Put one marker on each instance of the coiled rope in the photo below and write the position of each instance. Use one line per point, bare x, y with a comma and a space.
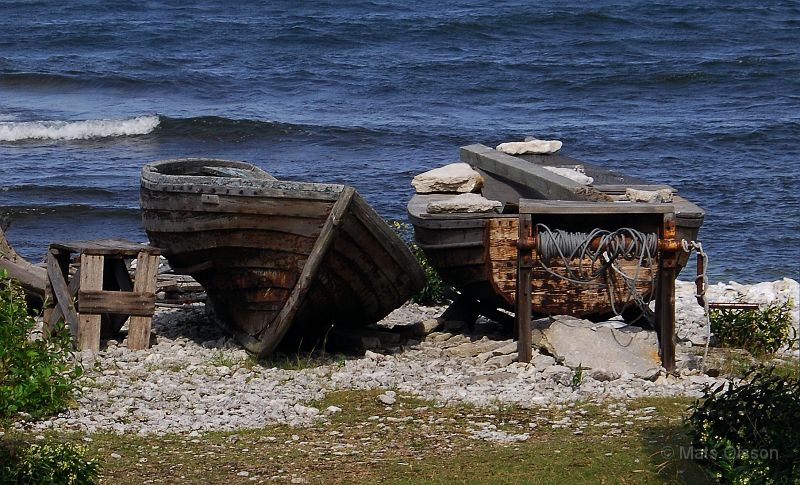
586, 259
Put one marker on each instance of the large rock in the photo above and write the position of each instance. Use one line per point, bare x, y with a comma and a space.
463, 203
456, 177
530, 146
577, 342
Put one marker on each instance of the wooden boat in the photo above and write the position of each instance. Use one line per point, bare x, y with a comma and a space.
280, 260
31, 277
477, 252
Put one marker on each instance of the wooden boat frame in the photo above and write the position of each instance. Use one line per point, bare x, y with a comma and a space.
224, 190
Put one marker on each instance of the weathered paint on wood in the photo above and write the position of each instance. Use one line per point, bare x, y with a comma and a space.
279, 260
91, 279
139, 325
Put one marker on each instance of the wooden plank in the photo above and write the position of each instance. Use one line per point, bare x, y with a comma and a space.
103, 247
530, 206
121, 302
32, 278
621, 188
273, 334
185, 221
145, 284
285, 206
63, 297
665, 299
91, 279
545, 182
57, 313
523, 307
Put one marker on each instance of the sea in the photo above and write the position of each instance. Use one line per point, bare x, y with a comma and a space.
701, 95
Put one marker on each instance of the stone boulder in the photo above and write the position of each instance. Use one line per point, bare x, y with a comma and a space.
529, 146
455, 177
463, 203
598, 349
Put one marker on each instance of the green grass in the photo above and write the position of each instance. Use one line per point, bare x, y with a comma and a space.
414, 442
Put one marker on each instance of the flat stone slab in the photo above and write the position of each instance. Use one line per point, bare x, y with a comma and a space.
455, 177
463, 203
576, 342
529, 146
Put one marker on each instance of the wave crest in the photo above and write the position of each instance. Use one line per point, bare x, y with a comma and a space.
77, 130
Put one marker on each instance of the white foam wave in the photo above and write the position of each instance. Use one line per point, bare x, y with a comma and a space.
77, 130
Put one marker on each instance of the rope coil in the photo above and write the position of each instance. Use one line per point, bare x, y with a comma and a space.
592, 259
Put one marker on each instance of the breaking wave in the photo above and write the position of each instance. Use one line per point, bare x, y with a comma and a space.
77, 130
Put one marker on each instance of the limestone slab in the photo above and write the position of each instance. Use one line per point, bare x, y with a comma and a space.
455, 177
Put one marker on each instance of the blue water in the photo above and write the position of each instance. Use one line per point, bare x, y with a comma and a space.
704, 96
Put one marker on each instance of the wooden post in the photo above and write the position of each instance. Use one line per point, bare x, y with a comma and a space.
523, 310
145, 283
91, 279
665, 297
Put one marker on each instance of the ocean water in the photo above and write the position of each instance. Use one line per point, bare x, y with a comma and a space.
704, 96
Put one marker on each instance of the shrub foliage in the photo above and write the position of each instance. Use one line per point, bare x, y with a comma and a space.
761, 332
433, 291
747, 432
37, 377
56, 463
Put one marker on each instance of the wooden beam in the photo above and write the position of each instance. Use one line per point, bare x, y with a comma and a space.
91, 279
523, 303
543, 181
144, 284
61, 292
533, 206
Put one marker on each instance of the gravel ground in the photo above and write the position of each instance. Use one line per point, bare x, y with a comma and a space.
195, 379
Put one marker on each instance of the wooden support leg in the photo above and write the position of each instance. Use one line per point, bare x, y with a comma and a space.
139, 327
62, 294
91, 279
523, 307
665, 299
665, 315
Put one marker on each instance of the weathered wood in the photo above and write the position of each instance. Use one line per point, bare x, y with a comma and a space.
274, 332
563, 207
104, 247
122, 302
543, 181
91, 279
61, 292
665, 301
54, 314
32, 278
139, 326
523, 307
259, 257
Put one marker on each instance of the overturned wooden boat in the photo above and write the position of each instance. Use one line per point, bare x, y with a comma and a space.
32, 278
477, 252
280, 260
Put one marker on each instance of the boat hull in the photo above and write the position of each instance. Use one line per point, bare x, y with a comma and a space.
477, 253
280, 261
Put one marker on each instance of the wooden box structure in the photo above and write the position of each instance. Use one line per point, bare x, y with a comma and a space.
101, 290
657, 219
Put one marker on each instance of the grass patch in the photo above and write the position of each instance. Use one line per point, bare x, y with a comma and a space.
415, 441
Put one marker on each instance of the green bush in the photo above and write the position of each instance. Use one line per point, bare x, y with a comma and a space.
433, 291
37, 377
54, 463
750, 432
760, 332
